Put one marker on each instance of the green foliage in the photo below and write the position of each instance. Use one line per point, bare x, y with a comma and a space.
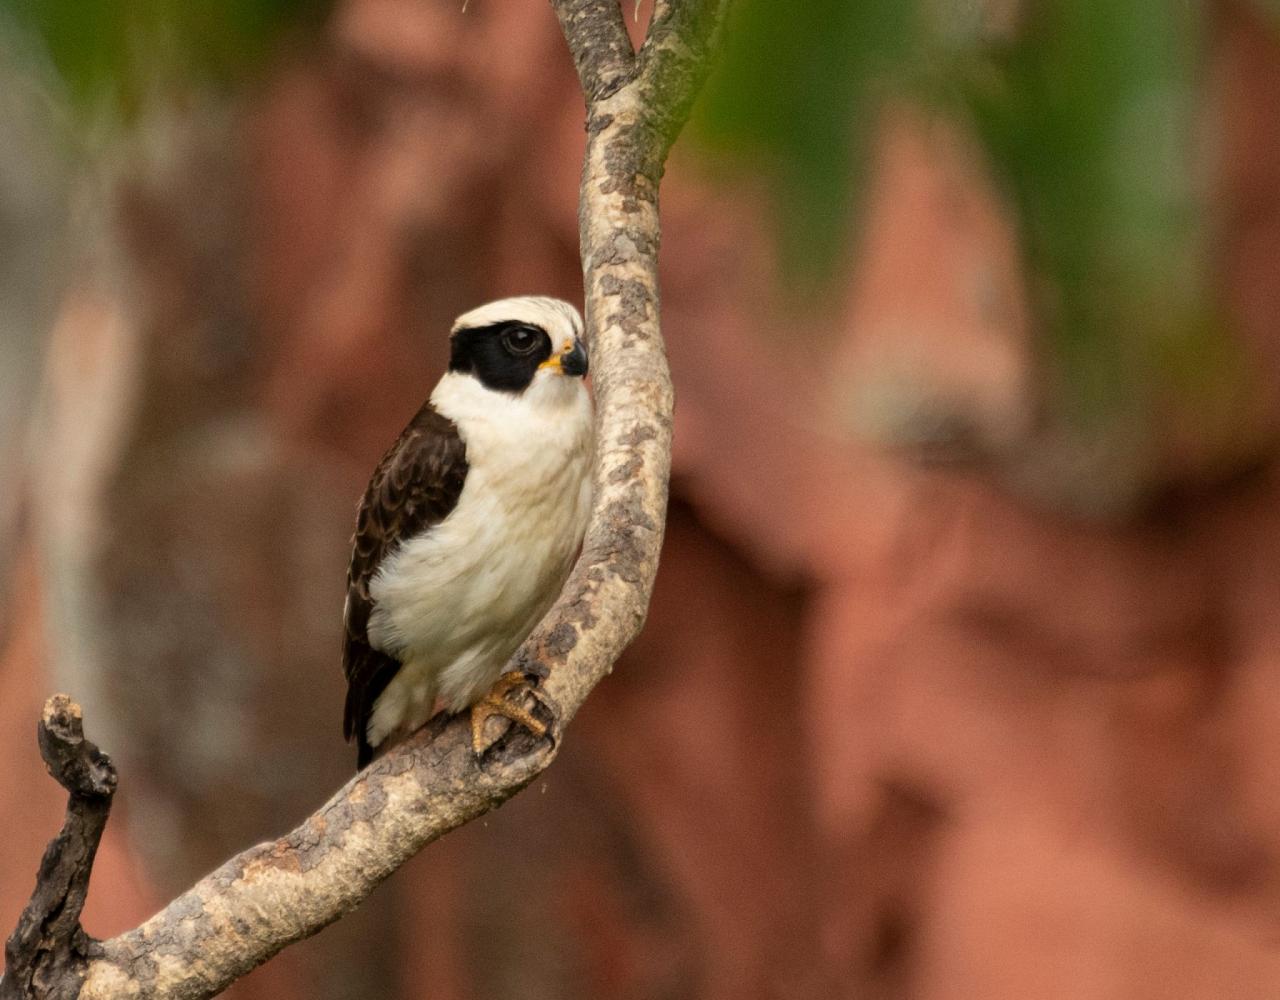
1086, 111
120, 53
796, 91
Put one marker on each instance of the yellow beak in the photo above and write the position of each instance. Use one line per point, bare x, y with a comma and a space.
572, 359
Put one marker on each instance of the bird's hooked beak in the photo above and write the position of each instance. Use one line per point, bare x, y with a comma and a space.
572, 359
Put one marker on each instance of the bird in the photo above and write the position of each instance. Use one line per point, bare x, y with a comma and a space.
469, 527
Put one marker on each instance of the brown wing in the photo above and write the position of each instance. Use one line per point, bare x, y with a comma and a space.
415, 486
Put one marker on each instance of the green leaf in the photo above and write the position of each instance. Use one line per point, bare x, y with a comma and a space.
121, 53
796, 91
1088, 116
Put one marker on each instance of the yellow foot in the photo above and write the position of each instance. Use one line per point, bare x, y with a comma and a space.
496, 702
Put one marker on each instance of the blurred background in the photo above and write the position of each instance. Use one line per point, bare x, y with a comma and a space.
962, 677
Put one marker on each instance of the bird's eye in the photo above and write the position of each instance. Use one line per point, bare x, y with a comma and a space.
521, 340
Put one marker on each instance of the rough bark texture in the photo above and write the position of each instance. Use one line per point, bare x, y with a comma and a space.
45, 956
281, 891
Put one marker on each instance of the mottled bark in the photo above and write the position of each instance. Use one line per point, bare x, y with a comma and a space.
282, 891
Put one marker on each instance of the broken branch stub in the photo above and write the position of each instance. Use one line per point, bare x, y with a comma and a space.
47, 954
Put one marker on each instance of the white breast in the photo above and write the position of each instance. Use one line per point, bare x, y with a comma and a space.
455, 603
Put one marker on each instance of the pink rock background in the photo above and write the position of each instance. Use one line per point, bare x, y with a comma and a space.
895, 728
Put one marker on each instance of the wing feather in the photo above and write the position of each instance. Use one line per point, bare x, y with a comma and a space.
415, 486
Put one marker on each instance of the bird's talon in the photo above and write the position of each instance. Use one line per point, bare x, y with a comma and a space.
496, 702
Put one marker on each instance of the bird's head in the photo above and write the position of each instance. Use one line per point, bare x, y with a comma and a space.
512, 344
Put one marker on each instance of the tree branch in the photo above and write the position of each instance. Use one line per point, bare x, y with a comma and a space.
279, 892
599, 43
676, 58
47, 952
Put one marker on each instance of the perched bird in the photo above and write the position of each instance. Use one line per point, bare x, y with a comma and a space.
469, 526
